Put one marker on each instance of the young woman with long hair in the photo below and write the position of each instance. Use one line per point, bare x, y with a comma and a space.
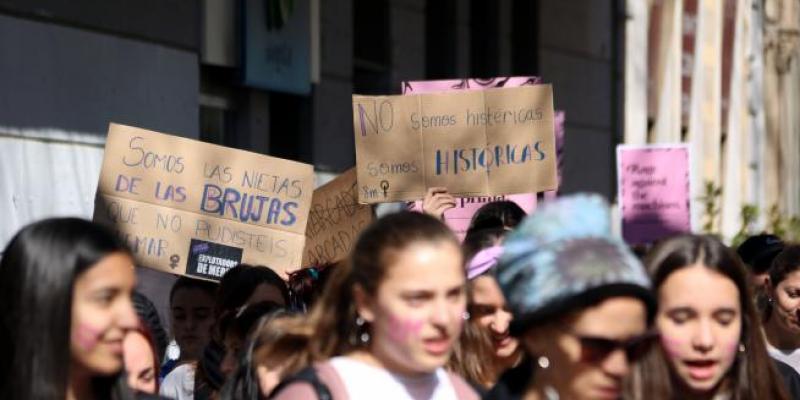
277, 349
712, 346
387, 321
486, 349
782, 311
65, 287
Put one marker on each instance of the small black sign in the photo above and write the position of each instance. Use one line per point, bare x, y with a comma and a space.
211, 260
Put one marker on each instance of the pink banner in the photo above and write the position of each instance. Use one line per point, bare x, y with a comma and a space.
653, 191
458, 218
446, 85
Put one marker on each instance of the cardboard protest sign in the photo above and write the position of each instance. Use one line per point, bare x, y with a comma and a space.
459, 218
198, 209
475, 143
335, 220
653, 191
446, 85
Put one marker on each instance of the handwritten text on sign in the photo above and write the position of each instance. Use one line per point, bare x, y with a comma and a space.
459, 217
161, 191
653, 191
335, 221
476, 143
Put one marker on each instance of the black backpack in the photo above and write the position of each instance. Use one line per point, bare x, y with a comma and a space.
307, 375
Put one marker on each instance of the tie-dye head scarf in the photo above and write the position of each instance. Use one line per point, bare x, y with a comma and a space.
562, 258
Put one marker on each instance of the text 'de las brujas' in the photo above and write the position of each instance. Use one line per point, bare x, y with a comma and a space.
160, 192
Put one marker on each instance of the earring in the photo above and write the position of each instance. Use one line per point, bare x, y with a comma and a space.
742, 348
543, 362
465, 315
363, 337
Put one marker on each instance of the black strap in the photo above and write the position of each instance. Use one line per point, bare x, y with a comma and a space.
307, 375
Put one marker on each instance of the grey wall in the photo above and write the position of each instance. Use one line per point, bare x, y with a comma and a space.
333, 143
576, 56
172, 22
73, 79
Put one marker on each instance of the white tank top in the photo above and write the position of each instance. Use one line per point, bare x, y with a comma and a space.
364, 381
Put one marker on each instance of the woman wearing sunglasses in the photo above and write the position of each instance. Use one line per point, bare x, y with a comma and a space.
711, 341
581, 303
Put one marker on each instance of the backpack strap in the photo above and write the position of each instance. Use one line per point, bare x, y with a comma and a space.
307, 375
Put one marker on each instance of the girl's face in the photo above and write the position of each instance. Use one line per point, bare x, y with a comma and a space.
102, 313
418, 310
786, 304
191, 321
700, 320
489, 309
139, 362
590, 353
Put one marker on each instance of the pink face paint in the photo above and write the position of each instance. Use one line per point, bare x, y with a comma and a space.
401, 329
730, 350
673, 346
86, 336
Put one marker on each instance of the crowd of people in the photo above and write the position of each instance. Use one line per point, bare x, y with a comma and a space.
546, 306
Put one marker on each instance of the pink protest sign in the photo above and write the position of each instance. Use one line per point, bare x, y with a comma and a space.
446, 85
458, 218
653, 191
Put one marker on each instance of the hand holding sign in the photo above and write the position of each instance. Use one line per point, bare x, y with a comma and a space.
437, 201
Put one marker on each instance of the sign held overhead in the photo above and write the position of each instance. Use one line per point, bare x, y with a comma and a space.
193, 208
335, 221
475, 143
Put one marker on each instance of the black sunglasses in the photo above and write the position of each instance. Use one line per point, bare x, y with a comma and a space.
595, 349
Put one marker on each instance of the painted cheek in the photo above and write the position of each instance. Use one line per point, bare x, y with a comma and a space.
730, 350
86, 336
401, 329
672, 346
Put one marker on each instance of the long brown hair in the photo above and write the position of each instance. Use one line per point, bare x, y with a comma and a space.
753, 375
334, 314
472, 355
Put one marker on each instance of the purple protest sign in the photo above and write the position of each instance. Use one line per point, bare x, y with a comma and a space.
653, 191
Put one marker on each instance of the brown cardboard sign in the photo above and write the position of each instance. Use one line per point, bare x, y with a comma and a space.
475, 143
194, 208
335, 220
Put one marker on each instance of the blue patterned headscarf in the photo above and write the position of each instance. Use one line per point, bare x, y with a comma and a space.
563, 257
